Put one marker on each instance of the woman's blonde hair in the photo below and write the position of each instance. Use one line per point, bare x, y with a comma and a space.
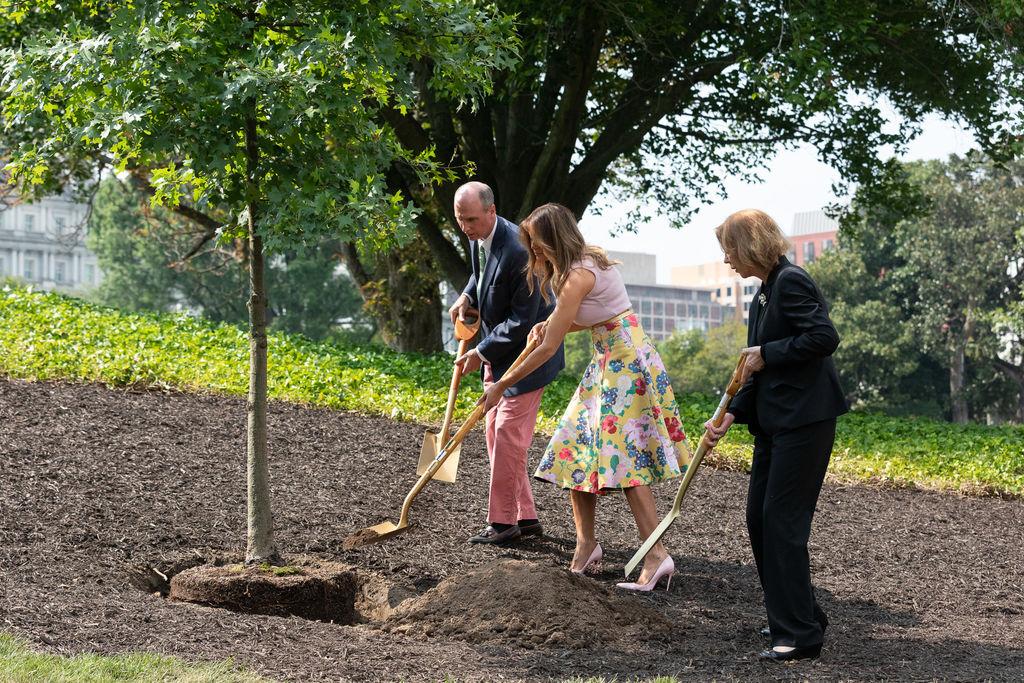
752, 238
552, 227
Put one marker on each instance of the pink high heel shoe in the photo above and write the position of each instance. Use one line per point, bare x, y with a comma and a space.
667, 566
594, 558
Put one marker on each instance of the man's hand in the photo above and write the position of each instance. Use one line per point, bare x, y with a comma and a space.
714, 434
469, 362
459, 308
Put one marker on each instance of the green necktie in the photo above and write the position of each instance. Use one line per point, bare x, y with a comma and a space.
481, 259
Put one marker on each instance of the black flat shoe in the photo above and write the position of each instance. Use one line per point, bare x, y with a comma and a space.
492, 536
773, 655
534, 529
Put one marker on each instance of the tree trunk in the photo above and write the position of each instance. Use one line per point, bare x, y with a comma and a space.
958, 402
400, 290
260, 541
1016, 374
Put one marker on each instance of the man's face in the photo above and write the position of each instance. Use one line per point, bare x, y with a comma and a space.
474, 221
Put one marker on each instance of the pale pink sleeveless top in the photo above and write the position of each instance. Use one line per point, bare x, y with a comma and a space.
606, 300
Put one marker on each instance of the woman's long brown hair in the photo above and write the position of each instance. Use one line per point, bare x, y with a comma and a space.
553, 228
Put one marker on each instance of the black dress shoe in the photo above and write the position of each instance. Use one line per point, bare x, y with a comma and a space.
495, 537
534, 529
773, 655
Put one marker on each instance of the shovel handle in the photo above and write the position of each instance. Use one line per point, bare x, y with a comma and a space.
453, 391
466, 328
454, 441
476, 414
734, 385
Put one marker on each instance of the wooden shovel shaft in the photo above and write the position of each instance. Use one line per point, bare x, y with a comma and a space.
465, 330
734, 386
454, 441
453, 391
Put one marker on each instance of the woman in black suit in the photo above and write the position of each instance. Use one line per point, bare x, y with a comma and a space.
789, 400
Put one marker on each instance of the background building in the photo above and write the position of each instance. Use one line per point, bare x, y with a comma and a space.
43, 243
636, 268
730, 291
663, 309
813, 232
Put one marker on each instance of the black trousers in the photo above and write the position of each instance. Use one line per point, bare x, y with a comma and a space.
785, 480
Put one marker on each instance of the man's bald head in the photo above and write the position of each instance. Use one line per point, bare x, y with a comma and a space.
474, 209
481, 191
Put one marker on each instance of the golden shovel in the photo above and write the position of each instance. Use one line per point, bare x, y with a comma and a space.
465, 330
386, 530
702, 449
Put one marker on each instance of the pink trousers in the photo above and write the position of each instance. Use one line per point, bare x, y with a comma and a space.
510, 426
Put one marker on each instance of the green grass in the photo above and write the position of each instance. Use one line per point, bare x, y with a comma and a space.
20, 664
49, 336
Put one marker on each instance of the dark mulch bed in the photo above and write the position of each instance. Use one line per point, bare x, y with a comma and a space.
98, 487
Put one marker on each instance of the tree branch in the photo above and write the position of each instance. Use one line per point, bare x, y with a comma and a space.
551, 168
210, 225
350, 255
724, 140
1014, 372
632, 120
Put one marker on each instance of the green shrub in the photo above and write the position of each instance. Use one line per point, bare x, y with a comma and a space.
50, 336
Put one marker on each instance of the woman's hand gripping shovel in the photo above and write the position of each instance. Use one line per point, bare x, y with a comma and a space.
385, 530
702, 449
433, 443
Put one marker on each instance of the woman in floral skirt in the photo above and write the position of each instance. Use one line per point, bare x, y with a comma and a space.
621, 431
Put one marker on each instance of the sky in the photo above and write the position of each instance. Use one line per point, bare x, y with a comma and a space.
794, 182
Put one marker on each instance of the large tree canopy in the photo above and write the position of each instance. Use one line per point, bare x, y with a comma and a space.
255, 120
656, 103
940, 290
653, 104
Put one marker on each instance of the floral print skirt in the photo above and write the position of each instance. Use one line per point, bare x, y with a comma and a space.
622, 426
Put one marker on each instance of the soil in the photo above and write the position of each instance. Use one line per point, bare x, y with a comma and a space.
105, 495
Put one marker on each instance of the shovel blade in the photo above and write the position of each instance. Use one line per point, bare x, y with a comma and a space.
374, 534
432, 445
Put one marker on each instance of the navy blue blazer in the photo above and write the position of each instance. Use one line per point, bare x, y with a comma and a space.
799, 383
507, 309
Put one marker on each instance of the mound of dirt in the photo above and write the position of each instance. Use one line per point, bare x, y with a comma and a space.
526, 603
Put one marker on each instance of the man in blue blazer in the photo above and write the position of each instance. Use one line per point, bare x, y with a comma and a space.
508, 311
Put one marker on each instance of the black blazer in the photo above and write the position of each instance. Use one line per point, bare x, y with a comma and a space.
508, 311
799, 383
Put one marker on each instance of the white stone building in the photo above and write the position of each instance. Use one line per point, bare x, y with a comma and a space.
43, 244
